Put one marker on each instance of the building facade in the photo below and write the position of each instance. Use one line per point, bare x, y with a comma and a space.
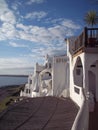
48, 79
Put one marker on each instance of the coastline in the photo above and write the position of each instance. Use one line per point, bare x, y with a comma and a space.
1, 75
9, 94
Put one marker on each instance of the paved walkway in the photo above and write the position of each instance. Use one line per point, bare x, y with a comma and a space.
44, 113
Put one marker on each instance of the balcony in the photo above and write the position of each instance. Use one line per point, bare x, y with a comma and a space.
87, 41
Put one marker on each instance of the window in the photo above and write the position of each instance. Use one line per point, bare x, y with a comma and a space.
30, 81
49, 74
49, 65
26, 90
77, 90
46, 65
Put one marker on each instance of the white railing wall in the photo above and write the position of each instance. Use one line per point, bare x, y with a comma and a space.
81, 121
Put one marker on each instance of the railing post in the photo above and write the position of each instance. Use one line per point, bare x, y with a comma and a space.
85, 36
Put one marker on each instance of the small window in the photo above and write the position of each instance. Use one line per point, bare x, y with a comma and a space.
49, 65
26, 90
77, 90
49, 74
30, 81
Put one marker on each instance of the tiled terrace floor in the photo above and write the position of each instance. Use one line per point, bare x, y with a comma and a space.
44, 113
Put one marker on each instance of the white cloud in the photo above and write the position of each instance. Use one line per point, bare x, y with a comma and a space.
8, 20
36, 15
35, 1
23, 27
16, 71
8, 31
48, 35
3, 7
15, 63
40, 35
70, 24
50, 49
13, 44
6, 15
14, 6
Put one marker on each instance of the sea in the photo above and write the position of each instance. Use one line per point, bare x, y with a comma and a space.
6, 80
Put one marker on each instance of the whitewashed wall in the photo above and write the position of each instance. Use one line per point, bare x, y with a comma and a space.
60, 77
72, 62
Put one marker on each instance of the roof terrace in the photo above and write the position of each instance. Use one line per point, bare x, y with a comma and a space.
87, 41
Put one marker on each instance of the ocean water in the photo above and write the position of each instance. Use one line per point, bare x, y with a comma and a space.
12, 80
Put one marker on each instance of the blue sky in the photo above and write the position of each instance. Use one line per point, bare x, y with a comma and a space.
29, 29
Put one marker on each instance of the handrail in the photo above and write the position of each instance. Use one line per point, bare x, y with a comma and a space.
81, 121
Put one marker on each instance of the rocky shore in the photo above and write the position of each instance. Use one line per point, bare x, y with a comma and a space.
8, 95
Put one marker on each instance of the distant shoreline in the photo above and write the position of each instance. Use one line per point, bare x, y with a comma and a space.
12, 85
13, 75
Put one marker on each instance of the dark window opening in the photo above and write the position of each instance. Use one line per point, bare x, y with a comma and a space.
30, 81
49, 74
49, 65
93, 65
27, 90
77, 90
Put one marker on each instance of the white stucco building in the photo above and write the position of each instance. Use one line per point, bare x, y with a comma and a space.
48, 79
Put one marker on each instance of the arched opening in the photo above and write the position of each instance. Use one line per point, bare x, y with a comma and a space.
45, 82
46, 76
78, 73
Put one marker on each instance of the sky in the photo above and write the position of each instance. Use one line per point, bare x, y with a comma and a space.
30, 29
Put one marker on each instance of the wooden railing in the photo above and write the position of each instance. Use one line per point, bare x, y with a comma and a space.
88, 38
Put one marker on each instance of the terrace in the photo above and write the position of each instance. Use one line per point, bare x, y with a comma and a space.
87, 41
41, 113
